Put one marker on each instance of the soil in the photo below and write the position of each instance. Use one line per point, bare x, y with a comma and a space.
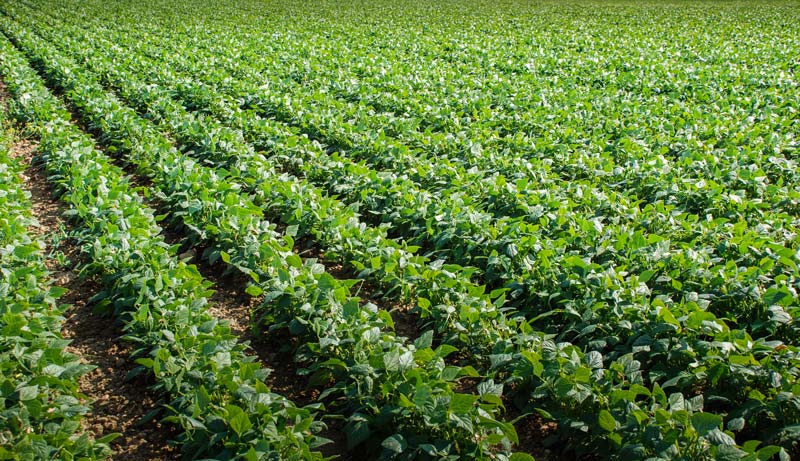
231, 303
532, 431
117, 404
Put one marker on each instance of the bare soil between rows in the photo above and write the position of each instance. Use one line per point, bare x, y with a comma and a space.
117, 404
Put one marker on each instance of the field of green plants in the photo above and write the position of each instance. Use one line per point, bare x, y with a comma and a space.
465, 229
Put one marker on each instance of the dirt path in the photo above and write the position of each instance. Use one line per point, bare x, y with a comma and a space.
117, 404
231, 303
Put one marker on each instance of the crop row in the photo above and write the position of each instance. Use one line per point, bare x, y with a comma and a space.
460, 307
676, 225
624, 151
693, 321
345, 342
41, 406
444, 224
507, 251
677, 277
216, 391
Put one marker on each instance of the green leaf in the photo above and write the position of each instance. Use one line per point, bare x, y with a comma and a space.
729, 453
489, 387
606, 421
251, 455
462, 403
108, 438
424, 341
254, 290
718, 437
645, 276
351, 309
294, 260
397, 361
357, 432
422, 395
395, 443
704, 423
736, 424
28, 392
468, 371
238, 420
423, 303
326, 282
767, 452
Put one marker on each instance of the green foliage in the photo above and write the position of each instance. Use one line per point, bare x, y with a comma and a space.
343, 341
41, 407
597, 207
196, 360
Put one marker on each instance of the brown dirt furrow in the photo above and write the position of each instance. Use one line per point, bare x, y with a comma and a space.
117, 404
231, 303
533, 430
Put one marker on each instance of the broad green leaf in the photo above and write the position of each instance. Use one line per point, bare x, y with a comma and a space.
706, 422
607, 421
